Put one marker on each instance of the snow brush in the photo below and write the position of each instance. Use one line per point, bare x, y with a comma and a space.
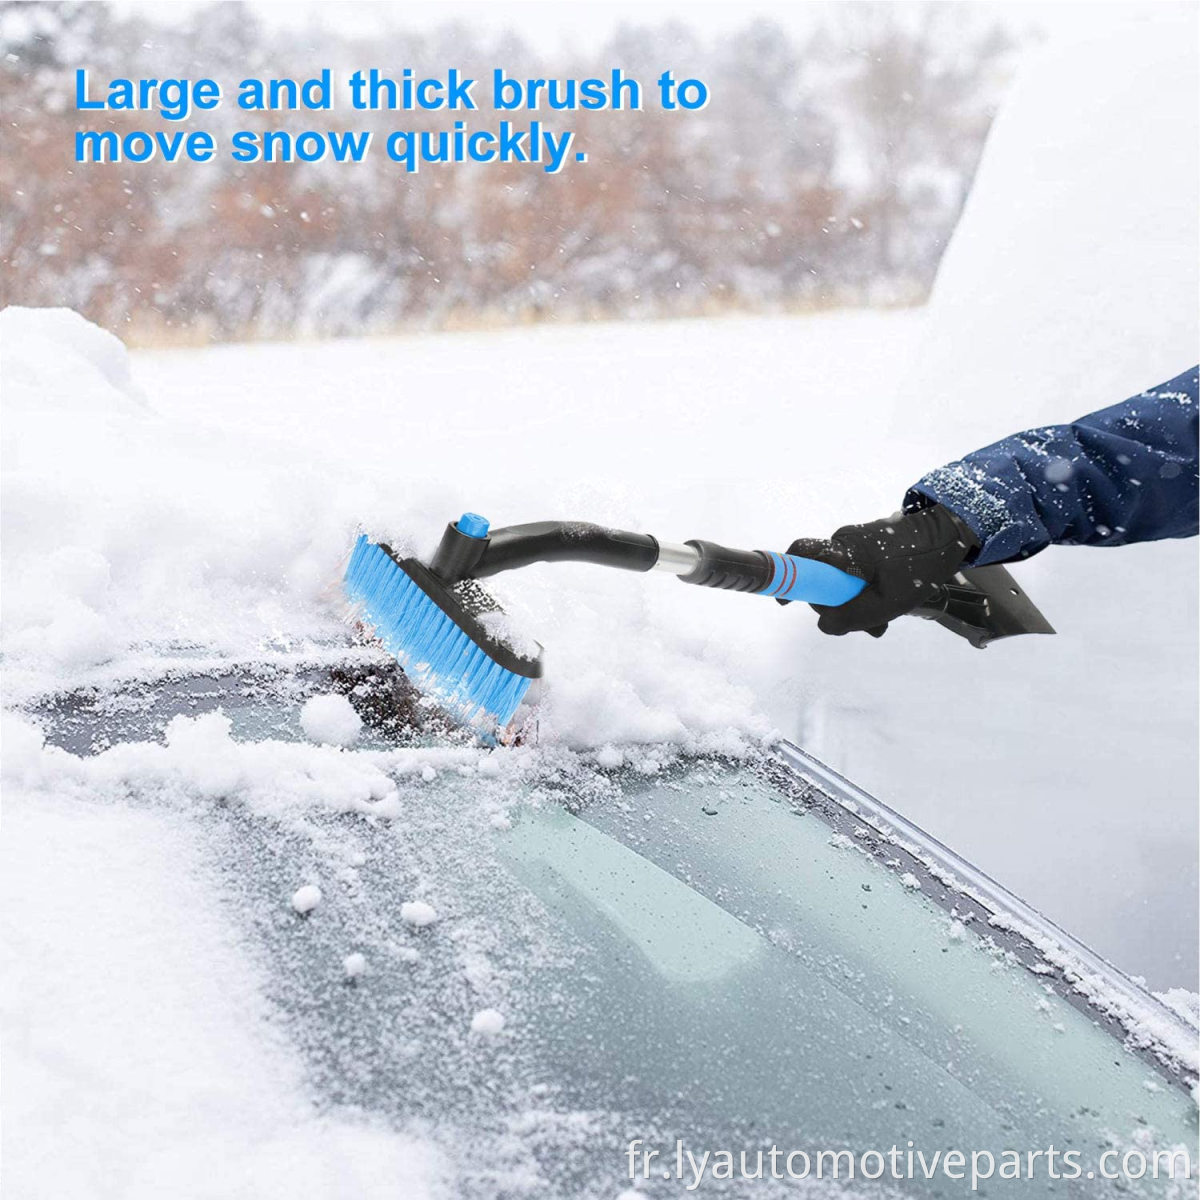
447, 632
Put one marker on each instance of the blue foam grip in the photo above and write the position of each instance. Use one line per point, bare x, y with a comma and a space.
813, 582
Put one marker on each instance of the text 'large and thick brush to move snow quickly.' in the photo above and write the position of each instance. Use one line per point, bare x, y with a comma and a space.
447, 632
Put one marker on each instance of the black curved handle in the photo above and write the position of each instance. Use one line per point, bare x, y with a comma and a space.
460, 556
566, 541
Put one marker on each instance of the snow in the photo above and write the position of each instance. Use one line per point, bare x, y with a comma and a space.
488, 1022
1145, 1023
503, 628
330, 719
135, 1032
1077, 260
66, 364
609, 757
1183, 1003
73, 636
199, 760
418, 913
354, 965
306, 898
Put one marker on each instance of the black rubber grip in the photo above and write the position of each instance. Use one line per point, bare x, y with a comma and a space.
734, 570
565, 541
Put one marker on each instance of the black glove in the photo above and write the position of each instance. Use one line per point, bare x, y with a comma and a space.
903, 559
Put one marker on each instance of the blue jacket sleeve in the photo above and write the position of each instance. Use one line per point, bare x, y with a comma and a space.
1125, 474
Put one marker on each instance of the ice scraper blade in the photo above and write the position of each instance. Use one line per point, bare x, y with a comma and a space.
983, 605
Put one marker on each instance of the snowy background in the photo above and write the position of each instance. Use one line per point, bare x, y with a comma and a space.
204, 498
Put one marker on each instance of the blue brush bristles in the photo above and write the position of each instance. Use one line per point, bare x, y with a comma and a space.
431, 646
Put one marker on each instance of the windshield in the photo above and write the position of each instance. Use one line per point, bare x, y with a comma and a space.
715, 952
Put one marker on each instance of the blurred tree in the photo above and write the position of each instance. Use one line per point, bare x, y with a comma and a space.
828, 173
918, 100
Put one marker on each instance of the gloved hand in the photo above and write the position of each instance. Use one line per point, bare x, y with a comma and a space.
903, 559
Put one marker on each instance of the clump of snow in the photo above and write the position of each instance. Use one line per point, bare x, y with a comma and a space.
60, 360
488, 1021
200, 760
354, 965
68, 573
609, 757
910, 881
503, 628
71, 636
202, 750
418, 913
306, 898
24, 744
330, 719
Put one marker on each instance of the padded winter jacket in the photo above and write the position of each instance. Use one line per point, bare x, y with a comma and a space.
1124, 474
